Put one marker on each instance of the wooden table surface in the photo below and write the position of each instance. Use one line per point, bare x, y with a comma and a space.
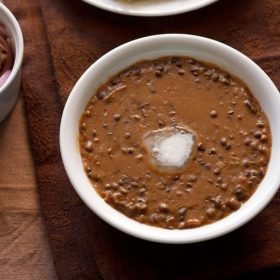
24, 248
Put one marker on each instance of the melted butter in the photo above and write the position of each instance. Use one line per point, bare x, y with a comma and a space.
169, 148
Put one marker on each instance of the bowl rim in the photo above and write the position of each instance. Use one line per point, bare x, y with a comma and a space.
159, 13
144, 233
18, 39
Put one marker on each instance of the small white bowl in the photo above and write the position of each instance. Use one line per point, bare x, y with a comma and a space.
10, 89
153, 47
150, 8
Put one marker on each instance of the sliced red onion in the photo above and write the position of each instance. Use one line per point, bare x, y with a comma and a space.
3, 32
6, 56
4, 77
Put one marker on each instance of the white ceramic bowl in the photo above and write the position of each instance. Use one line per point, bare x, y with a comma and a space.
10, 89
153, 47
150, 8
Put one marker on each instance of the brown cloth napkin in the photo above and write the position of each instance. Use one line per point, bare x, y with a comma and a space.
62, 39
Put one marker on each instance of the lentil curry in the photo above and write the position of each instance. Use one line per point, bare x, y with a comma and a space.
229, 157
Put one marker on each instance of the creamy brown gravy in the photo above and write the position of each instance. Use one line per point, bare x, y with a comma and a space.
230, 155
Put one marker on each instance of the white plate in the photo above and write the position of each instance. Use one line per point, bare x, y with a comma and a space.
150, 7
